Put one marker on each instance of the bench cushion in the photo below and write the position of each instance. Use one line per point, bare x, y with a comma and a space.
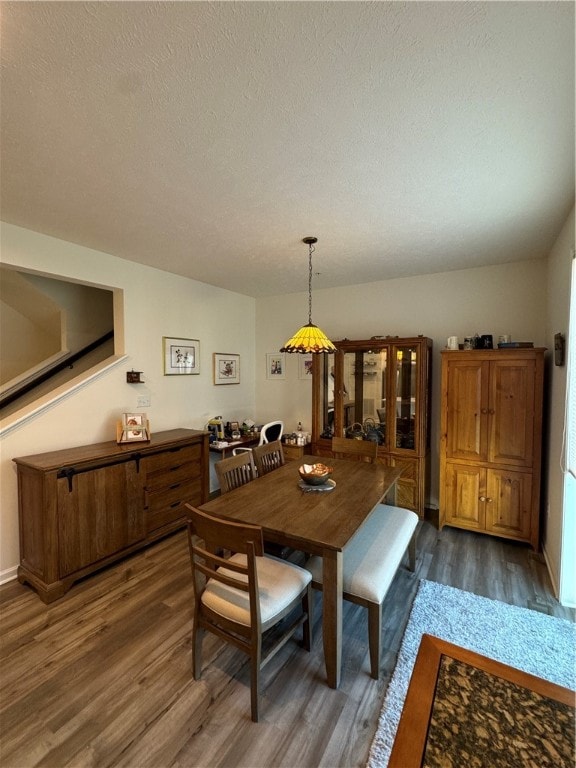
372, 556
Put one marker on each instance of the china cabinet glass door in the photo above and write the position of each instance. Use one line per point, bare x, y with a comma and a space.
361, 402
405, 383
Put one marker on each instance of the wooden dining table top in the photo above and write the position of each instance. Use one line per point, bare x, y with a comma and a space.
310, 520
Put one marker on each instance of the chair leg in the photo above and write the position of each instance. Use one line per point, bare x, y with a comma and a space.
255, 662
412, 553
307, 602
374, 633
197, 634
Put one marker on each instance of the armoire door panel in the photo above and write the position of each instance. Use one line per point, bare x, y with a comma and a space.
509, 503
467, 411
511, 410
464, 489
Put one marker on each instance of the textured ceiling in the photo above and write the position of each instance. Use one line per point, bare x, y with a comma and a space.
208, 138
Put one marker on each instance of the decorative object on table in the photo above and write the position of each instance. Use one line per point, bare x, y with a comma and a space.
233, 430
134, 377
486, 341
181, 356
315, 474
134, 427
275, 365
216, 427
226, 368
533, 642
504, 338
329, 485
305, 367
516, 345
309, 339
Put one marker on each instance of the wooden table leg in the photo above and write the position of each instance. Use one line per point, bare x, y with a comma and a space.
332, 615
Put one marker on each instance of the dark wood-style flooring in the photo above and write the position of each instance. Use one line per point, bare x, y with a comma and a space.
103, 676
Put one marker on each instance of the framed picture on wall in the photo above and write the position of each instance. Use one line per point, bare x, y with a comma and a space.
181, 356
275, 365
305, 367
226, 368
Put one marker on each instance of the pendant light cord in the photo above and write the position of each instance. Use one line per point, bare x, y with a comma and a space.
311, 250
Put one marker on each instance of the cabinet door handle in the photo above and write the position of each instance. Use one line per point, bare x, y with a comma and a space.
489, 500
491, 411
482, 498
483, 410
176, 485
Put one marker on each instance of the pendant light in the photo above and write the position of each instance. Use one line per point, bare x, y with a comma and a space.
309, 338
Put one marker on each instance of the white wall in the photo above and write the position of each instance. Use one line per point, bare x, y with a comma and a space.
558, 314
503, 299
156, 304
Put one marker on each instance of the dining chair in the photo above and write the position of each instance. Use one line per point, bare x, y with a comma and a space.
359, 450
240, 597
269, 433
235, 471
268, 457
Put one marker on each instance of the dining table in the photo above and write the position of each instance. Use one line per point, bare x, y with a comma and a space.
318, 522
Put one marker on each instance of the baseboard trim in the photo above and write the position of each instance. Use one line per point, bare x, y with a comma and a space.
8, 575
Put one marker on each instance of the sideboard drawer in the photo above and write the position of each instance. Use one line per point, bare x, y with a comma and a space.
167, 505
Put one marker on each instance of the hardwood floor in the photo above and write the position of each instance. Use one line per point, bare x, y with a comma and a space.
103, 676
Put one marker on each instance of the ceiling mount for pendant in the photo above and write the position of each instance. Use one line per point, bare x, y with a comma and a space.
309, 338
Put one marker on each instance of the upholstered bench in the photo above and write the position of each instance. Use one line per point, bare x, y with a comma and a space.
370, 561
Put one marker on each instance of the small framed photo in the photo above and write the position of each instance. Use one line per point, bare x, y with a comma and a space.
226, 368
275, 365
305, 367
134, 428
234, 426
181, 356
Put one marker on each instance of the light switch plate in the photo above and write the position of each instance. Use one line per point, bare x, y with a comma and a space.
144, 401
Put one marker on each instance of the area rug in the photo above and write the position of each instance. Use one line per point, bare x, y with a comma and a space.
534, 642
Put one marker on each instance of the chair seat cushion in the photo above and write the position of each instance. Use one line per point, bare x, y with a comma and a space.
279, 584
372, 556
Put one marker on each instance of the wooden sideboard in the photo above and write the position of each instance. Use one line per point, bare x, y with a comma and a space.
83, 508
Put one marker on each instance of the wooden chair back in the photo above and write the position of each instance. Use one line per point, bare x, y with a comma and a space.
268, 457
359, 450
235, 471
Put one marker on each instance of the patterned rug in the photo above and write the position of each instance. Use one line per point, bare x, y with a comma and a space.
534, 642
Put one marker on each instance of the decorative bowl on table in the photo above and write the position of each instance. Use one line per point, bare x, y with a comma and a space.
315, 474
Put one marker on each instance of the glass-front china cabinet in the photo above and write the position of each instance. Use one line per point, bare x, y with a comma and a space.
378, 389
